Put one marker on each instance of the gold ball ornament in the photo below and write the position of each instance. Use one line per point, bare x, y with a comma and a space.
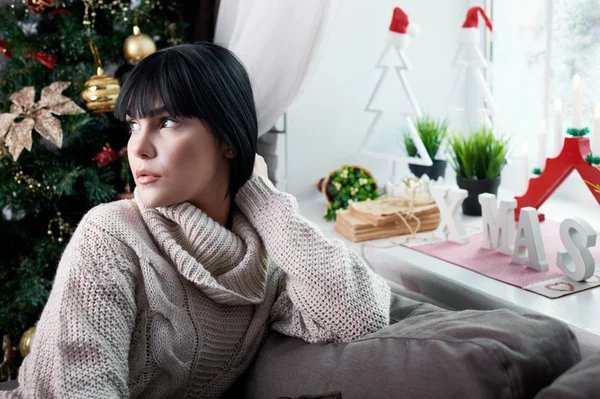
101, 92
26, 341
138, 46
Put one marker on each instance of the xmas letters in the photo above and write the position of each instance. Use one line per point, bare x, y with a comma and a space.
523, 242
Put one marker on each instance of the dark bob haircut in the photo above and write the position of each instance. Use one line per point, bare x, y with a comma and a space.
204, 81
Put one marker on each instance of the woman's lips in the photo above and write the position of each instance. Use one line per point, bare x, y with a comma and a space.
144, 176
147, 179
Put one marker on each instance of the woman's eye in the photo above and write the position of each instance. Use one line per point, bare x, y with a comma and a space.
132, 126
168, 123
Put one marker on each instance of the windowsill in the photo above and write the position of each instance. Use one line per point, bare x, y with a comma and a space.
455, 287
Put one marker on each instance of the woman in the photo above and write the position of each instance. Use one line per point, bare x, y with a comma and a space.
172, 293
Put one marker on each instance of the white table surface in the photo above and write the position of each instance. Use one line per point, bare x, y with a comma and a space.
459, 288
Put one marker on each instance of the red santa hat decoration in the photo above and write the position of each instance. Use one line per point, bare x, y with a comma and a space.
470, 32
401, 29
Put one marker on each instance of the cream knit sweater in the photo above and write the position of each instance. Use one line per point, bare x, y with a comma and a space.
157, 303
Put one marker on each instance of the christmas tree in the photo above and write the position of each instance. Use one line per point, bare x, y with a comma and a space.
61, 150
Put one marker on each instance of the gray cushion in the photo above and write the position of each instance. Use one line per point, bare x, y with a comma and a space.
582, 381
427, 352
9, 385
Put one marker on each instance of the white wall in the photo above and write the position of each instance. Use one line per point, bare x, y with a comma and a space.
327, 121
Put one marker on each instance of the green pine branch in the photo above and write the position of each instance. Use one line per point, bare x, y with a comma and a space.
576, 132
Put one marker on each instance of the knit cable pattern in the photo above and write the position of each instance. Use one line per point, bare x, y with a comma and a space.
157, 303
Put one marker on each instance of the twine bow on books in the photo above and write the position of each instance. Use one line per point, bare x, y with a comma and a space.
403, 215
389, 216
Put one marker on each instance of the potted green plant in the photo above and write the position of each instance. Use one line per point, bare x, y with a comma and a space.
478, 160
432, 133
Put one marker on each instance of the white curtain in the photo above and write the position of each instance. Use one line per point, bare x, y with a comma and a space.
281, 43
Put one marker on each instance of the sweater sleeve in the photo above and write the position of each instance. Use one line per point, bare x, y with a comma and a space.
328, 293
82, 339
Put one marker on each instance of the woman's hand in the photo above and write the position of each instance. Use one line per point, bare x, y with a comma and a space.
260, 167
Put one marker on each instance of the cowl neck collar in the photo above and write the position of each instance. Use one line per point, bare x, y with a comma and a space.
229, 266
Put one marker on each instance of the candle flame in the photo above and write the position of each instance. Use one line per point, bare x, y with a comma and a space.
543, 125
576, 80
557, 104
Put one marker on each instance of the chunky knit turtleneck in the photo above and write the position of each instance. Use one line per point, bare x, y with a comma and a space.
229, 267
166, 302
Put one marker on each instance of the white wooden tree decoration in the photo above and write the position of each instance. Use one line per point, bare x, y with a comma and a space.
449, 201
470, 61
577, 236
498, 224
398, 39
529, 247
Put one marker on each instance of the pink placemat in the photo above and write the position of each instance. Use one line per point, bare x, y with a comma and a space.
491, 263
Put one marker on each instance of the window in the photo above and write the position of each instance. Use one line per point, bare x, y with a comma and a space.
519, 73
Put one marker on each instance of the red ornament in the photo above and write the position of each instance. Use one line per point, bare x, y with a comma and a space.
106, 156
4, 48
123, 151
47, 60
60, 11
39, 6
572, 157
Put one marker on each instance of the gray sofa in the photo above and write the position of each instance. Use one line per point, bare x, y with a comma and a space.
429, 352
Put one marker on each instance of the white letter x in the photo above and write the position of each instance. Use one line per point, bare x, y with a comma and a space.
449, 200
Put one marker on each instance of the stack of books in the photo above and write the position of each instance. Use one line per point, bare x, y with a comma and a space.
412, 212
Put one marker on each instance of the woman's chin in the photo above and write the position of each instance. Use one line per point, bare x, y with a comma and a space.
155, 200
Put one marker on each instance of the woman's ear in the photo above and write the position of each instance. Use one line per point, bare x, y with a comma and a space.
228, 152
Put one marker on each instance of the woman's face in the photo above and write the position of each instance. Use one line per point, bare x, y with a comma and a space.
177, 160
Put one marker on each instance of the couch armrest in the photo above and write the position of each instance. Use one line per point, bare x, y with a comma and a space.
429, 352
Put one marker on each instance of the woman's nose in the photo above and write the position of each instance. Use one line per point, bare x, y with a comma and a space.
141, 142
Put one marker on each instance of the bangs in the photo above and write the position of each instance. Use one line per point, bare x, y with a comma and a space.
153, 87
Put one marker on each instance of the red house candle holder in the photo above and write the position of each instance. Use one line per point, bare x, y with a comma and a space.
571, 158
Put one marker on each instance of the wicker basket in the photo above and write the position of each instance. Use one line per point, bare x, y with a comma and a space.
324, 181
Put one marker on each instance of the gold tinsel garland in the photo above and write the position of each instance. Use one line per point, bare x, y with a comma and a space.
117, 6
56, 223
140, 12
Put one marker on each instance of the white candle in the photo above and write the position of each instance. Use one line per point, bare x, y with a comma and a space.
576, 102
542, 145
596, 136
559, 136
525, 165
